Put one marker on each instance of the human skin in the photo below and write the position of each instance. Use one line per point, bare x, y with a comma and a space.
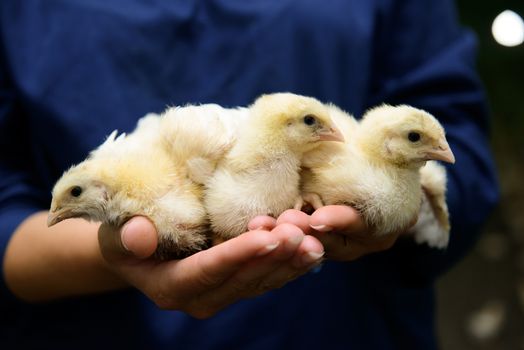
339, 228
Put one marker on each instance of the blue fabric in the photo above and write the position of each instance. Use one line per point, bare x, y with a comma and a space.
72, 71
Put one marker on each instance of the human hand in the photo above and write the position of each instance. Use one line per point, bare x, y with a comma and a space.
206, 282
341, 230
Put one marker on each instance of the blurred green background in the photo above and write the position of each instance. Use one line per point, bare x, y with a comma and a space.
481, 300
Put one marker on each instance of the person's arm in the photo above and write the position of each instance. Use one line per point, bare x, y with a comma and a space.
42, 263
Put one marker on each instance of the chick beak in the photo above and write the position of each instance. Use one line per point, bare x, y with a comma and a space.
441, 152
56, 216
330, 134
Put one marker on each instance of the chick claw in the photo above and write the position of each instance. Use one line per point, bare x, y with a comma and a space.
310, 198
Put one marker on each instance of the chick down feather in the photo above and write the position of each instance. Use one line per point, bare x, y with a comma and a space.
433, 224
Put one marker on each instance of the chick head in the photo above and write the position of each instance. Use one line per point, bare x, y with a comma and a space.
404, 135
78, 194
298, 122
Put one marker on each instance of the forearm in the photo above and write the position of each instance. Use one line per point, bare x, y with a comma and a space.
44, 263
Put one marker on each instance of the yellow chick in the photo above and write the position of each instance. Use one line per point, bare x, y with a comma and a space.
260, 174
378, 169
148, 173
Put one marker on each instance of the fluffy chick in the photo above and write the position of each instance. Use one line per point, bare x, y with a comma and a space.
377, 169
260, 174
147, 173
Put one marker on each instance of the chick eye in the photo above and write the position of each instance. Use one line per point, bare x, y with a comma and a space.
413, 136
310, 119
76, 191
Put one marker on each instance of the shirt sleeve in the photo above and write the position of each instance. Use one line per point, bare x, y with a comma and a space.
425, 59
20, 196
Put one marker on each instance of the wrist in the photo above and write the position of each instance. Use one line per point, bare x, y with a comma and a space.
43, 263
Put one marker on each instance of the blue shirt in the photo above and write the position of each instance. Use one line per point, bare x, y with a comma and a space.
73, 71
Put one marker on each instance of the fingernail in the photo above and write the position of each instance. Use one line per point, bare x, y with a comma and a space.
123, 235
268, 249
294, 242
311, 257
321, 228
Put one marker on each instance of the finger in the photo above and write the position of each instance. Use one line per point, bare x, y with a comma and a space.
249, 280
345, 247
211, 267
291, 238
338, 218
262, 222
340, 247
295, 217
310, 252
139, 237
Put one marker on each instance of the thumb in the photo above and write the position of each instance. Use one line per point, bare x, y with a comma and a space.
137, 238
